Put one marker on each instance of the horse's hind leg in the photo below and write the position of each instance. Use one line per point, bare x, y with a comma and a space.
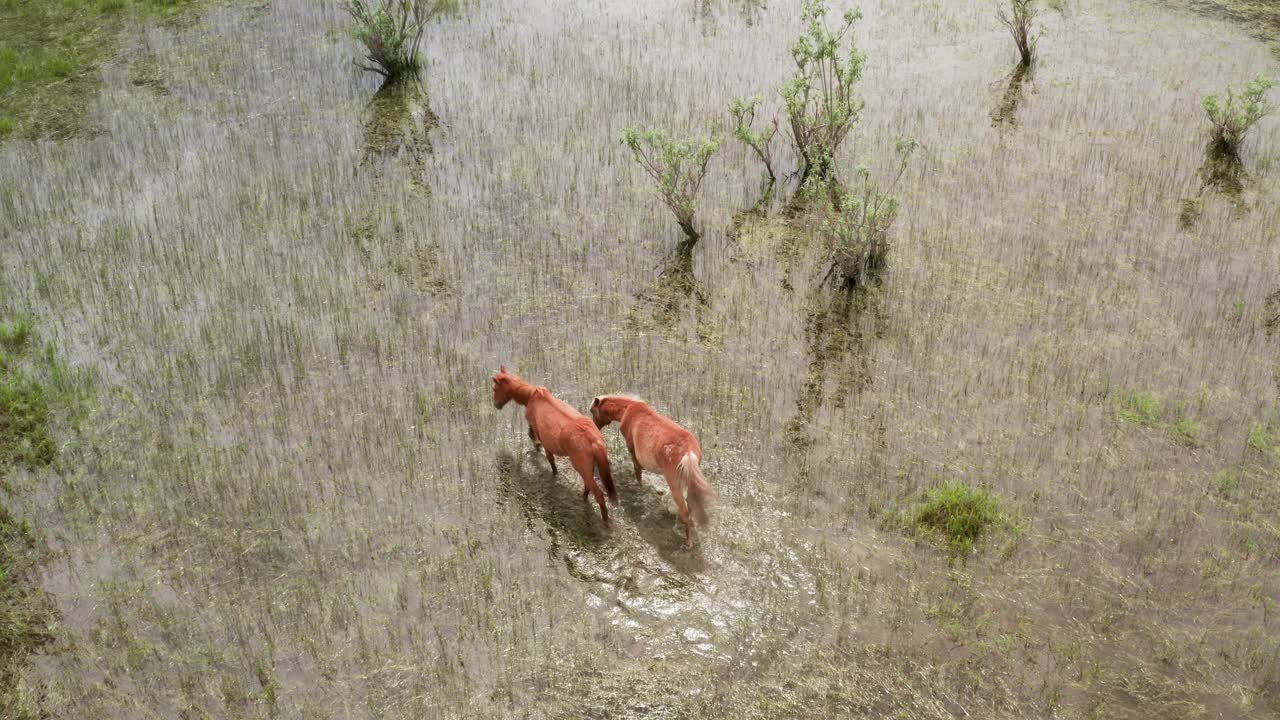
585, 466
636, 464
677, 494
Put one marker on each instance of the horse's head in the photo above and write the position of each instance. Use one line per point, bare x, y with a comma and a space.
600, 413
501, 388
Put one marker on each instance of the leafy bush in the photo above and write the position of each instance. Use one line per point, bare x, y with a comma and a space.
678, 166
862, 228
1018, 18
391, 32
959, 513
821, 107
1233, 115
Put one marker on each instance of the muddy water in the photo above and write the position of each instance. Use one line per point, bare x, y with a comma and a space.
703, 600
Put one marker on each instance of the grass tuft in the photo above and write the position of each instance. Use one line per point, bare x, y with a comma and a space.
1142, 408
960, 514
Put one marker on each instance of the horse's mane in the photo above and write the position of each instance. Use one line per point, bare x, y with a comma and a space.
625, 396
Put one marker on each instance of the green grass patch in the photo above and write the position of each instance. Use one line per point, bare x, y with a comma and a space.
49, 54
1140, 407
1146, 410
959, 515
24, 423
1187, 431
1262, 439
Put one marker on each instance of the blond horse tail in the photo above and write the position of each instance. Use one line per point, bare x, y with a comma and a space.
600, 456
698, 492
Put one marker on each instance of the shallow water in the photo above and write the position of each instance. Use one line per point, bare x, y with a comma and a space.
298, 289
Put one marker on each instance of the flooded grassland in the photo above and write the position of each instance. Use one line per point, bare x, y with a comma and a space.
295, 499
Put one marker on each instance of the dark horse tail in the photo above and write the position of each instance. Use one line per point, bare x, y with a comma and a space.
601, 456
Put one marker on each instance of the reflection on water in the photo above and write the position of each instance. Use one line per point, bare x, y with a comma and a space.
399, 121
704, 600
662, 304
838, 335
1223, 173
1006, 113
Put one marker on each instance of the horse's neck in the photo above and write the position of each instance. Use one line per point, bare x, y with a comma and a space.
522, 392
630, 405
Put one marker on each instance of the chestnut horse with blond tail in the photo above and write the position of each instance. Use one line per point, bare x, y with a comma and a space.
658, 444
561, 430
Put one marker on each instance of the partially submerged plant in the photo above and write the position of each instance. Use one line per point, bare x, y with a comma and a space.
677, 166
760, 141
862, 228
1233, 115
821, 107
1018, 18
960, 514
391, 32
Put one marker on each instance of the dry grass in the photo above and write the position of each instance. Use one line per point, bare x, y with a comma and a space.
295, 499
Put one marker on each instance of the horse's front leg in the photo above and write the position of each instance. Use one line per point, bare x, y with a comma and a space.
534, 437
551, 459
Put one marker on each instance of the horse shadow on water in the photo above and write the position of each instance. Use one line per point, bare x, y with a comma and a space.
590, 551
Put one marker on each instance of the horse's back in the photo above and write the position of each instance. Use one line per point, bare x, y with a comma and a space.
658, 439
560, 427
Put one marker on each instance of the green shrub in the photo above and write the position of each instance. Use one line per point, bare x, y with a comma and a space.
866, 216
760, 141
960, 514
1018, 18
821, 107
1232, 115
677, 166
391, 32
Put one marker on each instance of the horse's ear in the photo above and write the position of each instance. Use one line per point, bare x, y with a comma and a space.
502, 369
595, 402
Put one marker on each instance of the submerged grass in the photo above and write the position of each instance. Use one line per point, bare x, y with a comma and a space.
300, 500
29, 377
50, 51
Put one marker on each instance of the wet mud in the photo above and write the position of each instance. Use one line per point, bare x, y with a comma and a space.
704, 600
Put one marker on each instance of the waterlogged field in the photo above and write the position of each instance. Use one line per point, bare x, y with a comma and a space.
292, 496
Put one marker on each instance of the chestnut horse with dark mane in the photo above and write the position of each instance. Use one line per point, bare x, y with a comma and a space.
561, 430
658, 444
